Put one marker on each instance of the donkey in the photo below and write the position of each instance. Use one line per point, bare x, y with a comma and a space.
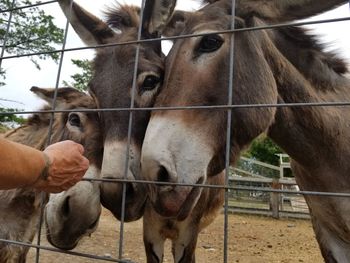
111, 86
74, 213
20, 208
284, 65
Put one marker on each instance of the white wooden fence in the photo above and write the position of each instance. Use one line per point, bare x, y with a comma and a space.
261, 188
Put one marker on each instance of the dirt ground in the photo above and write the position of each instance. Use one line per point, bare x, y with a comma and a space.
252, 239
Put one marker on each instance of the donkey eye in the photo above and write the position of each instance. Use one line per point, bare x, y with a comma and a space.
74, 119
150, 82
210, 43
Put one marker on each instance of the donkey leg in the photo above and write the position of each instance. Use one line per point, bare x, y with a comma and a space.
152, 239
183, 248
154, 249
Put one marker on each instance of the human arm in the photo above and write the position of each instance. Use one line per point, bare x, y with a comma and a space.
21, 166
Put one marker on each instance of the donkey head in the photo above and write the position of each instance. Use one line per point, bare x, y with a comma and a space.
188, 146
81, 127
111, 86
20, 207
75, 212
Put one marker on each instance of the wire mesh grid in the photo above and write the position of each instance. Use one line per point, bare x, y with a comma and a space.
229, 186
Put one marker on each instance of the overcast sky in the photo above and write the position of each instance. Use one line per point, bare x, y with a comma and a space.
21, 73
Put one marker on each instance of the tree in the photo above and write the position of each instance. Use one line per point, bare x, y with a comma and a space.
81, 80
31, 30
9, 118
265, 150
262, 149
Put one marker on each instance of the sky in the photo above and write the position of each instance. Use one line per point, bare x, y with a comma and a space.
22, 74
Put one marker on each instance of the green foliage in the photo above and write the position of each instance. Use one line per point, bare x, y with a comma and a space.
31, 30
265, 150
82, 79
10, 117
2, 75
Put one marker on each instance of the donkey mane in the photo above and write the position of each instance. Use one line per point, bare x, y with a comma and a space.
302, 38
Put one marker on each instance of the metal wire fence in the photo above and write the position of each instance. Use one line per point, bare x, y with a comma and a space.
229, 186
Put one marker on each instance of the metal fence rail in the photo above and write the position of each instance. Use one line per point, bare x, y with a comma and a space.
275, 194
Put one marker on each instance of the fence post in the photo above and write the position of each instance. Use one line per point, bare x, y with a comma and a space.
275, 198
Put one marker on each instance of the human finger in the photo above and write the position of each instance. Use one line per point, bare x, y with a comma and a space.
80, 148
85, 163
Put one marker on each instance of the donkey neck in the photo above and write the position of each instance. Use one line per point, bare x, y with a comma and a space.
33, 136
311, 135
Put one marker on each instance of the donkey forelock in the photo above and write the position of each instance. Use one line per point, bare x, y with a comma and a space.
123, 17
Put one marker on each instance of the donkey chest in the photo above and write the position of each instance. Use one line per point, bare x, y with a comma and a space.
169, 229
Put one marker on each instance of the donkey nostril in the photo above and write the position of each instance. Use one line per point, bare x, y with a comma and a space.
66, 207
163, 175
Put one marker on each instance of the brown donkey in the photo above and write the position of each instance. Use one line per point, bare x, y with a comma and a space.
111, 86
285, 65
20, 208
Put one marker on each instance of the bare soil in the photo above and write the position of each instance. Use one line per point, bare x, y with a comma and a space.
251, 239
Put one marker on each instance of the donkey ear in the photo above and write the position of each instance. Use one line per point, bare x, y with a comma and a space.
157, 14
90, 29
44, 93
65, 96
300, 9
177, 23
285, 10
210, 1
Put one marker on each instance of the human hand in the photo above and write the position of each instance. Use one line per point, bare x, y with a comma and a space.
67, 167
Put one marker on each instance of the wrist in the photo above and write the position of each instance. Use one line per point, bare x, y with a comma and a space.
44, 174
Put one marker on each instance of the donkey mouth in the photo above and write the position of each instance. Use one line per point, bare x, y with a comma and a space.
60, 245
134, 200
178, 203
92, 226
68, 243
190, 201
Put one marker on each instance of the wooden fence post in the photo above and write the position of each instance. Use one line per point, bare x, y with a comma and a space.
275, 198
